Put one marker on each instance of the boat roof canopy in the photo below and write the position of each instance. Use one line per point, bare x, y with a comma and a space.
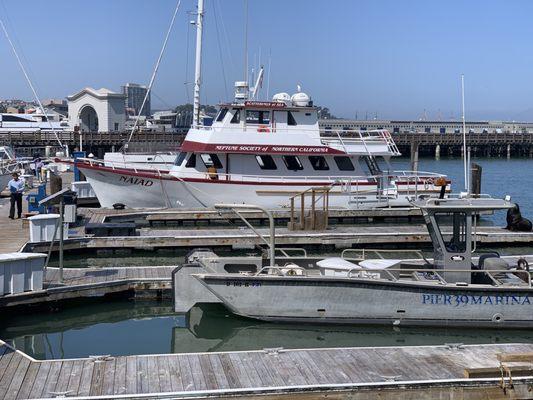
472, 204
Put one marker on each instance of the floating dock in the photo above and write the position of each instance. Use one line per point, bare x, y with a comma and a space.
93, 282
456, 371
180, 216
243, 238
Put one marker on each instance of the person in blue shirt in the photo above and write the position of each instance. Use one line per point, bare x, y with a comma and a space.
16, 188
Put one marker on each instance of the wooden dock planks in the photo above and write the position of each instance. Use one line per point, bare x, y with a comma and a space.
265, 372
91, 282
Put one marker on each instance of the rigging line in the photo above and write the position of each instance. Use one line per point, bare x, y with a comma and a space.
162, 101
155, 69
21, 65
226, 39
18, 45
220, 53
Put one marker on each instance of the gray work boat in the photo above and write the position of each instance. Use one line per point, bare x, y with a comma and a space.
449, 290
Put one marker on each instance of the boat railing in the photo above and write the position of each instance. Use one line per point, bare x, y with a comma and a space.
363, 254
433, 274
409, 173
319, 217
286, 252
343, 139
423, 274
122, 165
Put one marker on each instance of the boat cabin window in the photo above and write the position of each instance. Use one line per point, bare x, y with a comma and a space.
191, 162
236, 116
257, 117
180, 158
344, 163
293, 163
266, 162
319, 163
211, 160
221, 114
290, 119
457, 243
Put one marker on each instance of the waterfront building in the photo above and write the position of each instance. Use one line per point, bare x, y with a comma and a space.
57, 105
101, 110
135, 94
163, 121
442, 127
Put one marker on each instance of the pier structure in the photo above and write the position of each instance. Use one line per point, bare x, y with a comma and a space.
455, 370
483, 139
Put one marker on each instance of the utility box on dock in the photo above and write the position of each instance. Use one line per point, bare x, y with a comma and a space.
42, 228
21, 272
83, 190
34, 198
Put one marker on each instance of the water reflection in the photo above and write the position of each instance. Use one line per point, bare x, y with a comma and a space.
127, 327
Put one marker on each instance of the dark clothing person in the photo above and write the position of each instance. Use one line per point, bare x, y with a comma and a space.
16, 198
16, 188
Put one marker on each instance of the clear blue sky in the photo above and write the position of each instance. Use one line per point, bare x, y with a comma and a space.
392, 57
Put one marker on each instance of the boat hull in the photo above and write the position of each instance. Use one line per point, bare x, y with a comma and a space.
148, 189
333, 300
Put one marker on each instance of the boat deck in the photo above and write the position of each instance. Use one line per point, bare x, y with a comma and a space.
357, 373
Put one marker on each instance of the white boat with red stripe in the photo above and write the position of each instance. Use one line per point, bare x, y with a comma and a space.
264, 152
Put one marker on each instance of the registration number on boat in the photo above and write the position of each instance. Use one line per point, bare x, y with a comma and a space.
243, 284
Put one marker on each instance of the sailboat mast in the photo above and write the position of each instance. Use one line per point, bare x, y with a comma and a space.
465, 161
198, 64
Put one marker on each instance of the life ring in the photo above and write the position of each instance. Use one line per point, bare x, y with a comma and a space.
263, 129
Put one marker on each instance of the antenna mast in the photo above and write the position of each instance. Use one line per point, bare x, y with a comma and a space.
246, 41
465, 161
198, 65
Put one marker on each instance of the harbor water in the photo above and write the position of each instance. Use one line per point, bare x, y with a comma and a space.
126, 326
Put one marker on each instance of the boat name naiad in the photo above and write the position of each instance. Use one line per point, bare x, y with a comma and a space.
463, 300
136, 181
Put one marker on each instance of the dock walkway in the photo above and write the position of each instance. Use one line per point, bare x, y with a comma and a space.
93, 282
340, 237
355, 373
13, 234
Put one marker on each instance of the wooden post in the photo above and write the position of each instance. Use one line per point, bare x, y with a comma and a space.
313, 225
414, 156
475, 179
302, 212
292, 214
